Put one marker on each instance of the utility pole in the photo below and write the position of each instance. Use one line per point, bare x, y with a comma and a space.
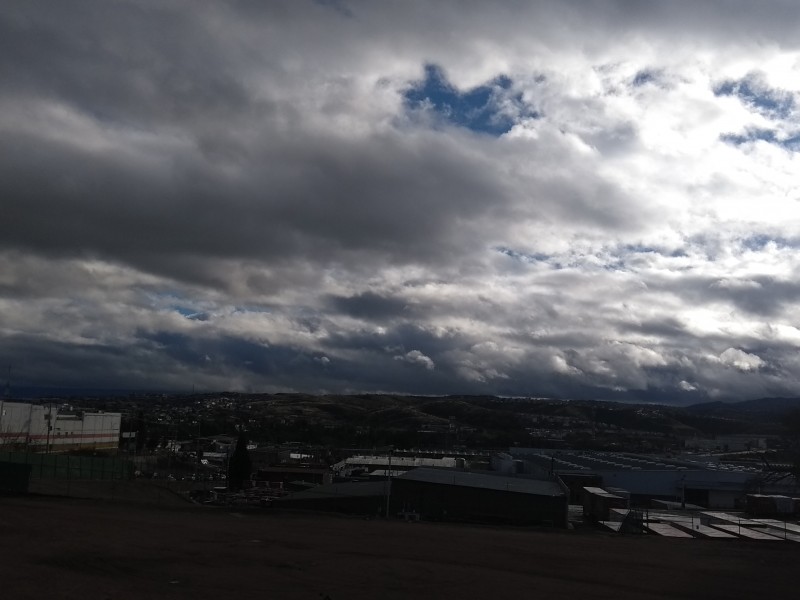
683, 492
389, 482
49, 425
169, 451
2, 405
30, 418
197, 453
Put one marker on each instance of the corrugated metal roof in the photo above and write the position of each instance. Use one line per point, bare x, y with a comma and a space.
481, 480
598, 461
596, 491
399, 461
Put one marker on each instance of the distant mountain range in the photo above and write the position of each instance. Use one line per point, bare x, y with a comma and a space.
33, 393
490, 418
763, 406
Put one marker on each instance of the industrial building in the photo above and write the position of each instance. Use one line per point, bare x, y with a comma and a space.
444, 494
694, 480
299, 476
598, 503
355, 497
365, 464
49, 428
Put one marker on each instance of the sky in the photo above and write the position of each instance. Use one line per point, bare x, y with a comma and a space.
544, 198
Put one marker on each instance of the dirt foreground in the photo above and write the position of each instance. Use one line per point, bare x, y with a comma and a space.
88, 549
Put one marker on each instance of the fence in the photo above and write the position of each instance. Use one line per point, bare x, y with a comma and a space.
59, 466
14, 477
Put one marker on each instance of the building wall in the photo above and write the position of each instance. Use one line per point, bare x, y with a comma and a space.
361, 498
713, 488
93, 430
453, 502
721, 488
575, 483
42, 428
64, 466
725, 499
289, 473
20, 422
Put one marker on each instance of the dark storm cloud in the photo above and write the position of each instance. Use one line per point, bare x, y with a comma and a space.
279, 366
145, 63
72, 365
399, 209
667, 327
371, 306
761, 296
168, 183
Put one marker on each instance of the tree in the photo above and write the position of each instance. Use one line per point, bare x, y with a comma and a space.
240, 465
141, 432
791, 424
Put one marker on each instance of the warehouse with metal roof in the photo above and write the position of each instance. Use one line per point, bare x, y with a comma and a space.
709, 484
443, 494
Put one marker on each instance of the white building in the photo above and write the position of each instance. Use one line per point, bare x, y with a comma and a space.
45, 428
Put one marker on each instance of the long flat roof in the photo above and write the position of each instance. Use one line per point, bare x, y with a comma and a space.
401, 461
593, 461
518, 485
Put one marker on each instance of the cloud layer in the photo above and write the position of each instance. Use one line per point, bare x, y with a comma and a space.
547, 198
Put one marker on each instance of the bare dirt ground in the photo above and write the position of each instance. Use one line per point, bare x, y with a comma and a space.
161, 493
65, 548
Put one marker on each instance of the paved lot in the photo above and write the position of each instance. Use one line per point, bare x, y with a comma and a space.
87, 549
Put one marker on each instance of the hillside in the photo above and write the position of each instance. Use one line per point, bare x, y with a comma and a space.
68, 549
371, 420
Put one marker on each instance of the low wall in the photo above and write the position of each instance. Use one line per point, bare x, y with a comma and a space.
59, 466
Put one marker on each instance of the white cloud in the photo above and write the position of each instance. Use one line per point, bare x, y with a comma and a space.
741, 360
560, 365
415, 357
265, 174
